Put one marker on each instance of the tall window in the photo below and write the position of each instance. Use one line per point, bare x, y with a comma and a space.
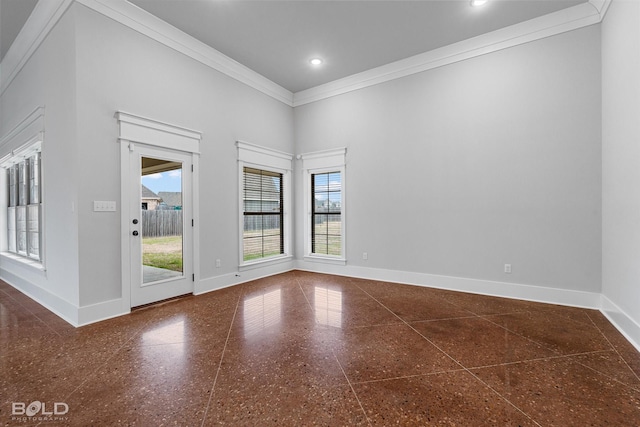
263, 234
326, 207
264, 177
324, 193
24, 205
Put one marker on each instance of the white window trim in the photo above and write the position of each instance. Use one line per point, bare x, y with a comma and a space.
25, 139
316, 163
258, 157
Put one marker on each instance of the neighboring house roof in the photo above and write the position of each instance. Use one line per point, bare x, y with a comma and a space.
148, 194
171, 198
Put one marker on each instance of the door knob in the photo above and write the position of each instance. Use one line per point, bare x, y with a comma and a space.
135, 232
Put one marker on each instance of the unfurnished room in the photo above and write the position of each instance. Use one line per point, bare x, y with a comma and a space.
333, 213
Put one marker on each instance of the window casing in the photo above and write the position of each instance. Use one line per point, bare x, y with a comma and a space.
264, 205
324, 193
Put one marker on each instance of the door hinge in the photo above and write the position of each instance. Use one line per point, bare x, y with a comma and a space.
192, 222
191, 168
193, 277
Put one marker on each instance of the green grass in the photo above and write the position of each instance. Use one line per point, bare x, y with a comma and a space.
165, 240
252, 253
328, 238
163, 252
252, 256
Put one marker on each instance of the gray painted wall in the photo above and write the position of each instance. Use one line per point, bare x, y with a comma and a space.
620, 157
459, 170
454, 171
119, 69
48, 80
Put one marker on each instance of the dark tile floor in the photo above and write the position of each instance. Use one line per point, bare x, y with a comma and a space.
301, 349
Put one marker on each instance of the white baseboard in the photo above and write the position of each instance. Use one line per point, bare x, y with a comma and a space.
54, 303
231, 279
622, 321
101, 311
80, 316
476, 286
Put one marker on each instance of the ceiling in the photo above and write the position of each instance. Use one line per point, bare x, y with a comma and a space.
278, 38
13, 15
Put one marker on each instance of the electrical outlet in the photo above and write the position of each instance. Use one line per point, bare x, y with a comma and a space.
507, 268
218, 263
365, 255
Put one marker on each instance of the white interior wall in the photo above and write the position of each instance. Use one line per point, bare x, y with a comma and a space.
620, 170
48, 80
489, 161
459, 170
122, 70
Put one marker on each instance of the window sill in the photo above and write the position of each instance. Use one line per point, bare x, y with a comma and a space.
31, 264
325, 260
264, 262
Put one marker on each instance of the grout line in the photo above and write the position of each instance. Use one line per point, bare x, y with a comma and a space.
412, 328
224, 349
404, 377
524, 336
613, 347
473, 316
351, 386
539, 359
503, 397
305, 297
456, 361
109, 359
462, 369
636, 388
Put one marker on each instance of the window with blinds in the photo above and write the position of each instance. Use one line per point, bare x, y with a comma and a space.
24, 207
326, 211
263, 234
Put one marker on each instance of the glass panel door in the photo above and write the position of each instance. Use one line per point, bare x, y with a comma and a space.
161, 219
160, 224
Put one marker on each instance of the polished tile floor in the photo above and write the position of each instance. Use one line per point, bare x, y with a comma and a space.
302, 349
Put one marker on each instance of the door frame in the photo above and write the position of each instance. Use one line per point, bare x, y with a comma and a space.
141, 130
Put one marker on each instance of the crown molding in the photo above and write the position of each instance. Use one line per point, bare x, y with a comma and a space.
145, 23
47, 13
569, 19
44, 17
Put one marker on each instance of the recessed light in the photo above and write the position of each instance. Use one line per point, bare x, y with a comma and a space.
316, 61
477, 3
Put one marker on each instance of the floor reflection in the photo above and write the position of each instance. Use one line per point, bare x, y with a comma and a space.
172, 333
261, 312
5, 316
328, 307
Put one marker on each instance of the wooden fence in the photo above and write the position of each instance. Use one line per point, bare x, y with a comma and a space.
261, 222
159, 223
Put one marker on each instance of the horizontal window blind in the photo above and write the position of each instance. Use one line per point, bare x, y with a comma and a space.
263, 234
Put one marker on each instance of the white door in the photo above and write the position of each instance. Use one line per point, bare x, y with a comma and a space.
160, 224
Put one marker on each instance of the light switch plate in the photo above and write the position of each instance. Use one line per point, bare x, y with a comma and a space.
104, 206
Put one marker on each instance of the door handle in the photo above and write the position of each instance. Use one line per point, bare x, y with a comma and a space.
135, 221
135, 232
